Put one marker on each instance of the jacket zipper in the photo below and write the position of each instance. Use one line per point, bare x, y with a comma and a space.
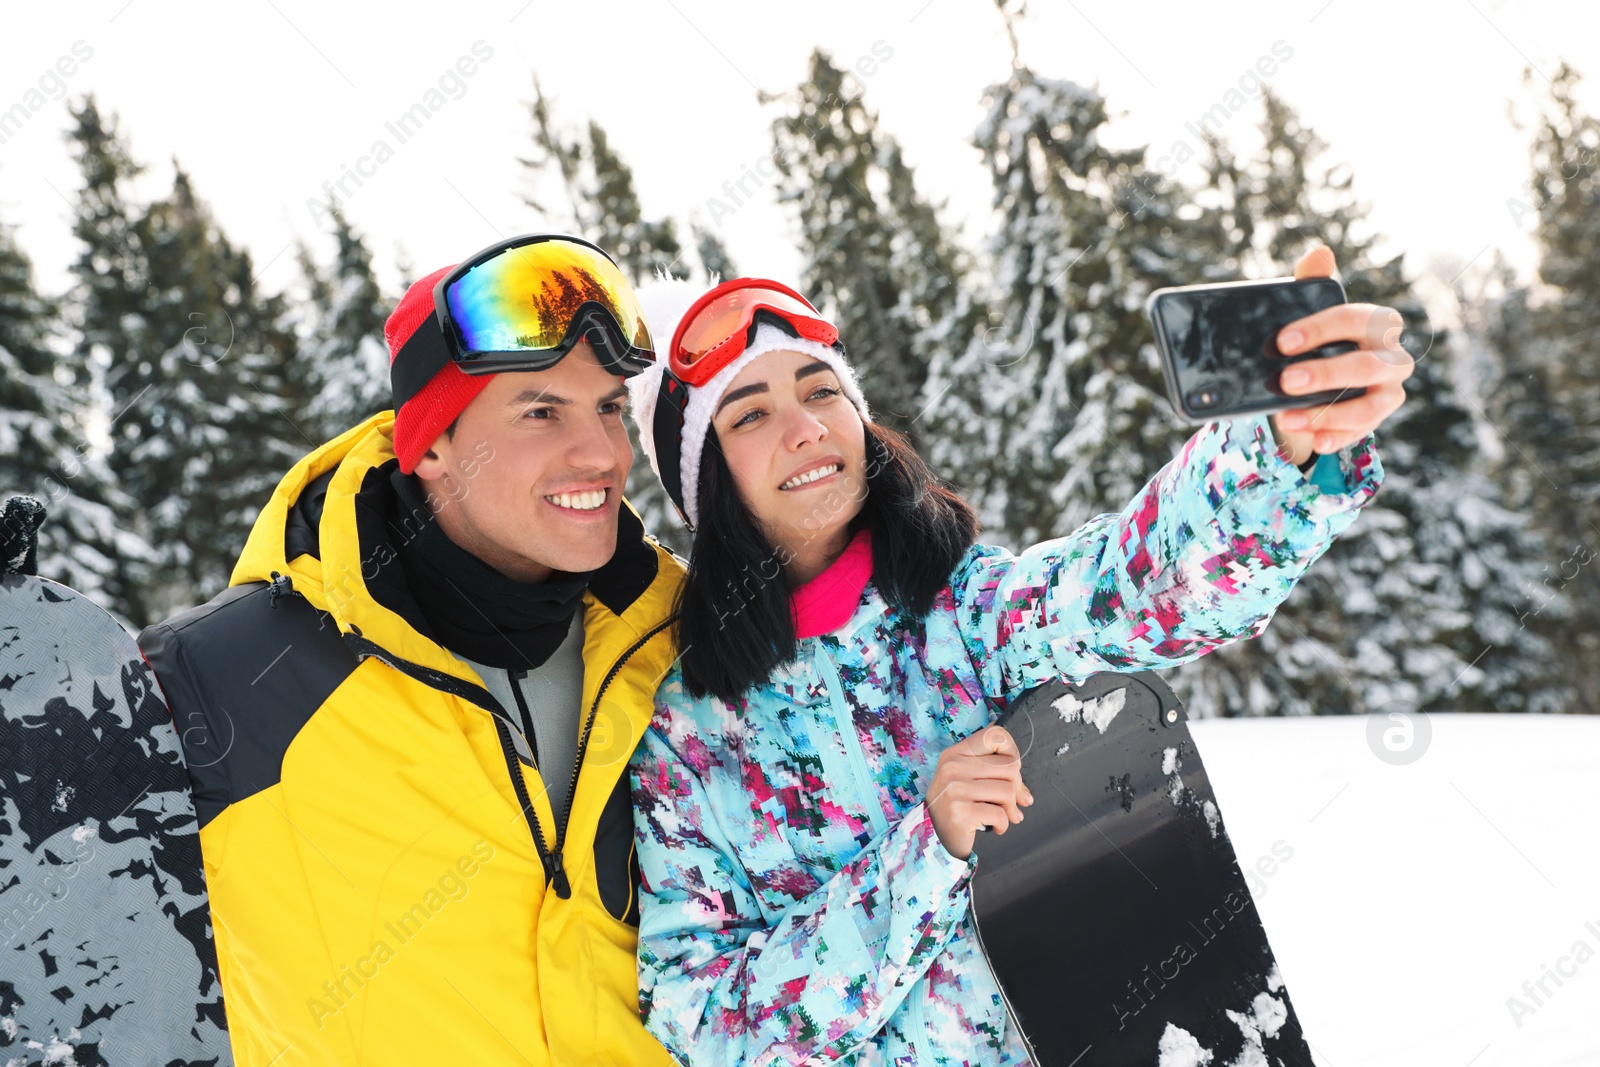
474, 694
853, 748
559, 872
551, 858
515, 676
916, 1023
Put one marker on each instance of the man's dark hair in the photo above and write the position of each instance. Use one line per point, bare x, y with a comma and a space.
734, 622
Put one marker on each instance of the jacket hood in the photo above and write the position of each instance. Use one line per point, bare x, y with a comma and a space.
329, 529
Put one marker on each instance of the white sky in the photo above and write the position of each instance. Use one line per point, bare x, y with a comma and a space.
264, 100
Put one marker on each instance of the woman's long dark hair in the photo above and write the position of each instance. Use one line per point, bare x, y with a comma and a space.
734, 623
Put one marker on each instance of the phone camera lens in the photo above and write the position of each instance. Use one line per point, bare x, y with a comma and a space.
1205, 396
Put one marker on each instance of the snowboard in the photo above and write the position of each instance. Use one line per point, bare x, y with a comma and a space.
1115, 917
107, 956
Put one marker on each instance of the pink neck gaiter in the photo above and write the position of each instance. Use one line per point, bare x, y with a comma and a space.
827, 601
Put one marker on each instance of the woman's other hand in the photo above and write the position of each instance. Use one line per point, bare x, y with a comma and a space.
1380, 364
977, 785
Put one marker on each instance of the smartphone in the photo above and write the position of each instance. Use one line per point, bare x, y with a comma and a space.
1219, 345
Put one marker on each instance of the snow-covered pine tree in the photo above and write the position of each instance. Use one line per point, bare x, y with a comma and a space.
602, 205
45, 408
610, 211
223, 430
714, 258
342, 360
1051, 412
111, 281
876, 257
1415, 606
1520, 424
195, 371
1543, 394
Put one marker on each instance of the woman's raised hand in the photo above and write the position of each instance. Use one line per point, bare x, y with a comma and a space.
1380, 364
977, 785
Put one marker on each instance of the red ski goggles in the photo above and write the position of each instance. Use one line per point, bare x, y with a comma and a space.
522, 305
717, 327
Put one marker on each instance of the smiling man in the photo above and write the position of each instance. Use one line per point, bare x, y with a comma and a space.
408, 719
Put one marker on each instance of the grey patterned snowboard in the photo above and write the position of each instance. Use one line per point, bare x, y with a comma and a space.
106, 956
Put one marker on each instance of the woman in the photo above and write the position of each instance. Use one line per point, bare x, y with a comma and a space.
820, 757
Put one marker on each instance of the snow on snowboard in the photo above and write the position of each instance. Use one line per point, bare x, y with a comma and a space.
1116, 917
107, 955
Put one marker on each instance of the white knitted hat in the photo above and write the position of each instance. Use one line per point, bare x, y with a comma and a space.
665, 301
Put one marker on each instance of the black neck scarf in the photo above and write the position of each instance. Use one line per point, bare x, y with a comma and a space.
473, 609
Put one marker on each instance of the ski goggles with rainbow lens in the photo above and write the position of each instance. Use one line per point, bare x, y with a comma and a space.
718, 326
522, 305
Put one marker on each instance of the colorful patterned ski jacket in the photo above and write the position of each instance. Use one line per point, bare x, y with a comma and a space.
796, 904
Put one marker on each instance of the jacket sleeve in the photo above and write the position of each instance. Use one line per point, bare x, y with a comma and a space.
1203, 556
720, 982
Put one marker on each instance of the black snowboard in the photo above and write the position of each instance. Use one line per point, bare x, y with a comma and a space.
107, 957
1115, 916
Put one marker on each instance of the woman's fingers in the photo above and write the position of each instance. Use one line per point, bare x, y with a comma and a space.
977, 784
1349, 370
1368, 325
990, 817
979, 804
996, 765
990, 739
1344, 422
1001, 768
1380, 368
964, 793
1358, 415
1317, 263
993, 791
996, 756
1331, 438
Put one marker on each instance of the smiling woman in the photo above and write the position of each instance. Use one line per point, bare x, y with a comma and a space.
791, 470
802, 499
793, 478
822, 754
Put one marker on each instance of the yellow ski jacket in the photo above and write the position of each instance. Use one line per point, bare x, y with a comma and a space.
388, 885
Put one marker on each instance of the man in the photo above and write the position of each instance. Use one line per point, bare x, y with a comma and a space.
408, 719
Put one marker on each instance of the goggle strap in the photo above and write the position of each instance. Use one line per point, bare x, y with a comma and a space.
667, 430
424, 354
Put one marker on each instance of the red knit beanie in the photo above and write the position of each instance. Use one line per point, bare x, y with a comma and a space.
418, 424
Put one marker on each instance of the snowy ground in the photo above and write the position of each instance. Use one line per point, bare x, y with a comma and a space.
1419, 899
